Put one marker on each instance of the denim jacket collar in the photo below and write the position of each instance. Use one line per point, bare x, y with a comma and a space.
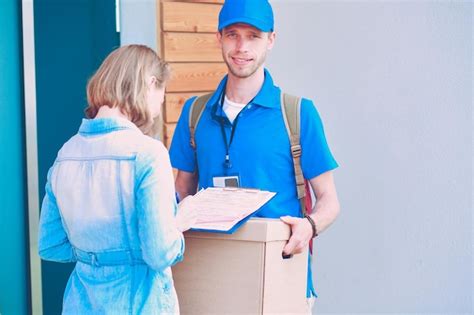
105, 125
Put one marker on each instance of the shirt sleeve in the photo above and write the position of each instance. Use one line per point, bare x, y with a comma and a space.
161, 242
316, 157
53, 243
181, 153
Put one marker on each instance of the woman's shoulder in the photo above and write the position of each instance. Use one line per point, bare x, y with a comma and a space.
148, 144
69, 147
150, 148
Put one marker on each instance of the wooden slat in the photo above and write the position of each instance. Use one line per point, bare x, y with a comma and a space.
189, 17
187, 77
159, 31
191, 47
168, 143
174, 104
169, 131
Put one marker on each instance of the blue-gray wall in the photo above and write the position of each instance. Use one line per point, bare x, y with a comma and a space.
138, 22
393, 82
13, 222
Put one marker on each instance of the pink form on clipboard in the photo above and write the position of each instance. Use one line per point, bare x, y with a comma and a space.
220, 209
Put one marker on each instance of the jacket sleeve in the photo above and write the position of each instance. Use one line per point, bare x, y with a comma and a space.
53, 243
162, 244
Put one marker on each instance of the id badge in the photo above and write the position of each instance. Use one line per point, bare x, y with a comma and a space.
226, 181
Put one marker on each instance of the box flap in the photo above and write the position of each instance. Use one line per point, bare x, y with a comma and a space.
255, 230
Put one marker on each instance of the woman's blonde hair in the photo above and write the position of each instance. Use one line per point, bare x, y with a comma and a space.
121, 81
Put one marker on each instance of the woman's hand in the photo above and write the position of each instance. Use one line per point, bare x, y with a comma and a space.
187, 214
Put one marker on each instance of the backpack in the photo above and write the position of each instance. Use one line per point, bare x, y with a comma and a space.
291, 109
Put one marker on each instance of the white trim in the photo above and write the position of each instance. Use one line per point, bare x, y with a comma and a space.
117, 16
29, 77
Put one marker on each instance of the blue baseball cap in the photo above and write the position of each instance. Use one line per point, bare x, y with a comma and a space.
257, 13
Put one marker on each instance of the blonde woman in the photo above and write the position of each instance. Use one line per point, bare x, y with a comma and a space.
110, 200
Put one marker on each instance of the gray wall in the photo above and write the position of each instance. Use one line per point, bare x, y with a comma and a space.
393, 83
138, 22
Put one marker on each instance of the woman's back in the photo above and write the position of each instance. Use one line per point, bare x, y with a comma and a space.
111, 190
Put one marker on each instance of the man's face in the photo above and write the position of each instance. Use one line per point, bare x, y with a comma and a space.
244, 48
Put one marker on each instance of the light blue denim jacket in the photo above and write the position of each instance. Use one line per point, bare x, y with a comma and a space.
110, 207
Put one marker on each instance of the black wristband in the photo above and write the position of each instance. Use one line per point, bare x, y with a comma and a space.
313, 225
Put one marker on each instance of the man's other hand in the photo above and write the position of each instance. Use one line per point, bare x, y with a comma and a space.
301, 232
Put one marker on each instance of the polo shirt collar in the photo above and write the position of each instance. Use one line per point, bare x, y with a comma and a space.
268, 96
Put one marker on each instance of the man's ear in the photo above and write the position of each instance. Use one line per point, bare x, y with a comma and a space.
271, 40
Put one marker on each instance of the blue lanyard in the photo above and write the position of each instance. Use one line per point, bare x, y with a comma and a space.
227, 162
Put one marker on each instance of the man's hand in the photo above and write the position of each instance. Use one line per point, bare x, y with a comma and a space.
187, 215
186, 183
323, 214
301, 232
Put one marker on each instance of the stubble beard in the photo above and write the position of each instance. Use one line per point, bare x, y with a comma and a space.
246, 72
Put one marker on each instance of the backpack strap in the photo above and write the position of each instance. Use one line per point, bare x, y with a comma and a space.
195, 112
291, 109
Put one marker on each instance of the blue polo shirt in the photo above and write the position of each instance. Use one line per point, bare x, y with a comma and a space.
260, 151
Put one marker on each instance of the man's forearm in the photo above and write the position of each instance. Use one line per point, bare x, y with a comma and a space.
325, 212
326, 209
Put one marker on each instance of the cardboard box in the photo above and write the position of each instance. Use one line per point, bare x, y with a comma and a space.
241, 273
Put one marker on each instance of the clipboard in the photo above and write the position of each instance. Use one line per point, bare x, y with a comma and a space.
225, 209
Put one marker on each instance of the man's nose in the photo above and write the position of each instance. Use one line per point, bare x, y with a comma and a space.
241, 45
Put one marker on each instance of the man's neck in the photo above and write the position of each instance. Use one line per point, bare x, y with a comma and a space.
243, 90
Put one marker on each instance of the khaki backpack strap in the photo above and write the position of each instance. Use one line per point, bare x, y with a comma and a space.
195, 112
291, 109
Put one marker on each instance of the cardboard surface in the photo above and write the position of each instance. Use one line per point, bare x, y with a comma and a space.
284, 281
242, 273
255, 230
